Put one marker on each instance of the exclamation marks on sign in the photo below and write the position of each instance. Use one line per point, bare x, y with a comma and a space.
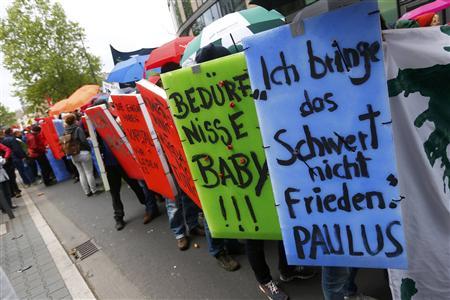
224, 212
238, 213
252, 212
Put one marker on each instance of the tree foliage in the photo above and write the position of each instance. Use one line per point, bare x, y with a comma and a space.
7, 118
44, 52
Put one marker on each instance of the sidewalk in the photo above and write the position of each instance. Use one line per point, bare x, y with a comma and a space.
25, 255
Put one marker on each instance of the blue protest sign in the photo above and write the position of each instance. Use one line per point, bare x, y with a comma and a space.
323, 109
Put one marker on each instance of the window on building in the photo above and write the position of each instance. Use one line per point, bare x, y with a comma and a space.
187, 7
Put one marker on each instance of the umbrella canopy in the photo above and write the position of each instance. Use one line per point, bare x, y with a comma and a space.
79, 98
58, 107
231, 29
432, 7
169, 52
129, 70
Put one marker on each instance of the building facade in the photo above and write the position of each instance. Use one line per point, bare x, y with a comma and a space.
190, 16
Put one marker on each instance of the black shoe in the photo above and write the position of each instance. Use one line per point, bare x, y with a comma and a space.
14, 206
18, 195
120, 224
299, 273
227, 262
89, 194
76, 179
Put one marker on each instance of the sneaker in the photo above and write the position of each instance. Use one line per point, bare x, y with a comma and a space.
359, 297
150, 217
227, 262
183, 243
197, 231
89, 194
297, 273
120, 224
272, 291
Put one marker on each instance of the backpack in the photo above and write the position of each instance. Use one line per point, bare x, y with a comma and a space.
70, 145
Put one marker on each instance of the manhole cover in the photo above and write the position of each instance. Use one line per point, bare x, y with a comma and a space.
84, 250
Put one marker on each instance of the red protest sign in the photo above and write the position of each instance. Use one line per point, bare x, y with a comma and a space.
155, 103
50, 134
147, 150
113, 136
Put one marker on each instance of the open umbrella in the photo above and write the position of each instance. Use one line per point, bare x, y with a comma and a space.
432, 7
229, 30
79, 98
169, 52
129, 70
58, 107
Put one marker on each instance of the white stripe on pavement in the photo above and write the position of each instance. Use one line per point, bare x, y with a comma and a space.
73, 280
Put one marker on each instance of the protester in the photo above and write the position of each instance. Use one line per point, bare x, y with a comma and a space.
5, 193
13, 162
218, 248
36, 151
182, 212
82, 157
26, 161
115, 173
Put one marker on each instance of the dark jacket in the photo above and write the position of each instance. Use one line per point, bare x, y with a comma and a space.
78, 134
16, 149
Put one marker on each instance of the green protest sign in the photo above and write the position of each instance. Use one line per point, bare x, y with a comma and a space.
215, 115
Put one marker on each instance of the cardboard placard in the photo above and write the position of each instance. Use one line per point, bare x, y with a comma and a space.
52, 137
113, 136
147, 150
323, 109
95, 151
216, 119
156, 105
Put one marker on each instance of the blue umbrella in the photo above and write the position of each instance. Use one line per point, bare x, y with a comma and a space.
129, 70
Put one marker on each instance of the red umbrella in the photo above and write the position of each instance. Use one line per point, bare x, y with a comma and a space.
169, 52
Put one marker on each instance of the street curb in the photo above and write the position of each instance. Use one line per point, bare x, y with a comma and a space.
73, 280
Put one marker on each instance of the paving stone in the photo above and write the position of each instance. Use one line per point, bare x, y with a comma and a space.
59, 294
37, 291
34, 283
55, 286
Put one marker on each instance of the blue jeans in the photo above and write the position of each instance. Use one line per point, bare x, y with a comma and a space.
338, 282
182, 213
24, 173
150, 200
215, 246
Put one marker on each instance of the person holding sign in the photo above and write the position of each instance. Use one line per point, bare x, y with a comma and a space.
182, 213
115, 173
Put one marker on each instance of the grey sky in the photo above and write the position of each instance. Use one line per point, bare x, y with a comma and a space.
127, 25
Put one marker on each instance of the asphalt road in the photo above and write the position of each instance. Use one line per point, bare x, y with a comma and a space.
148, 257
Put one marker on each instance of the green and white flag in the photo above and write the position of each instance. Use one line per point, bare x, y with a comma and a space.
418, 70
